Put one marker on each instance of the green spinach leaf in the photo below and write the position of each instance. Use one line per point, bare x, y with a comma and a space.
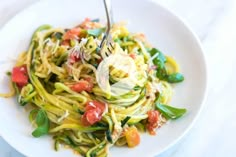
159, 61
170, 112
96, 32
42, 122
175, 78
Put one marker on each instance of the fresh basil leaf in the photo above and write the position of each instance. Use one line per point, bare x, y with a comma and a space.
161, 73
42, 122
40, 131
175, 78
40, 117
153, 51
170, 112
96, 32
159, 61
161, 57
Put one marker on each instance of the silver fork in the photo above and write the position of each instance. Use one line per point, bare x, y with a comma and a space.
107, 39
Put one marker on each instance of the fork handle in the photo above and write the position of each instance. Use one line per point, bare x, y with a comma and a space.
109, 14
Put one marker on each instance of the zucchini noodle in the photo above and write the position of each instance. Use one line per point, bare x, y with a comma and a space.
60, 62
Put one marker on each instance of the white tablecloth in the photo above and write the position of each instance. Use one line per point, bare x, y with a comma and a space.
214, 21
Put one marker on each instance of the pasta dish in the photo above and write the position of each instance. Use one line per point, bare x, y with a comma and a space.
76, 89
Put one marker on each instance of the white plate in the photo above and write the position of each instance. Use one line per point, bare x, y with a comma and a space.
163, 29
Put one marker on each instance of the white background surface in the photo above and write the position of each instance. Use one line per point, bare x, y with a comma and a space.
214, 21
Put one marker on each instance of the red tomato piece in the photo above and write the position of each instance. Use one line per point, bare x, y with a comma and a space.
82, 85
84, 120
95, 104
74, 58
92, 116
20, 76
90, 81
72, 34
93, 112
152, 121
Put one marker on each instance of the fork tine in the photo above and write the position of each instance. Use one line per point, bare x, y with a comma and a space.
111, 45
107, 39
107, 53
109, 49
103, 40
